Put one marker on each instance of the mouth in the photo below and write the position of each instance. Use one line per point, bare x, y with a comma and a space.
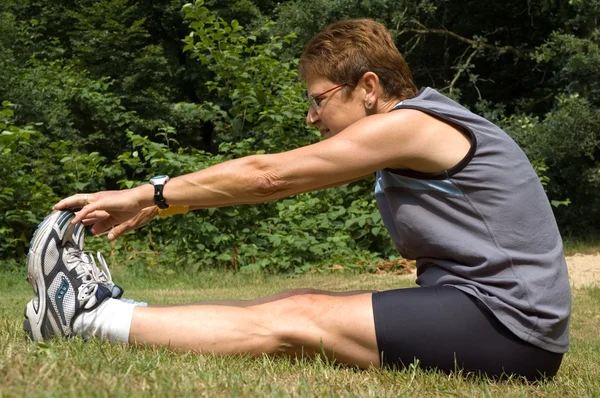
324, 131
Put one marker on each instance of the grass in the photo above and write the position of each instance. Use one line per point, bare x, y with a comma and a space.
581, 245
75, 368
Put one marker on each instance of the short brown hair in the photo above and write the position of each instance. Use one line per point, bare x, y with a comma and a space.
344, 51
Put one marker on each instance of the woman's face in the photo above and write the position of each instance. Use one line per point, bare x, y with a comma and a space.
332, 111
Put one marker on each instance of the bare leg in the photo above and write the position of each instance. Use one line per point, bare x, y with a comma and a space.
299, 322
268, 299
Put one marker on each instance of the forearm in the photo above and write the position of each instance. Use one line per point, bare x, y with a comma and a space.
253, 179
230, 183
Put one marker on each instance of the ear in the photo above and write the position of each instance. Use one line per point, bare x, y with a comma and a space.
369, 82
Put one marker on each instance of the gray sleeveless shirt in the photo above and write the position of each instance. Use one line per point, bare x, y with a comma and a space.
484, 226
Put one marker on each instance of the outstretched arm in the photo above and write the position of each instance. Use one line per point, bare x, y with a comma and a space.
401, 139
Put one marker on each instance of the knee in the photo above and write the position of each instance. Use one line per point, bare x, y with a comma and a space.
299, 303
300, 294
295, 320
294, 305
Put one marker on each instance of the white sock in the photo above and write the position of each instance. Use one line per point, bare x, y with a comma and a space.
110, 321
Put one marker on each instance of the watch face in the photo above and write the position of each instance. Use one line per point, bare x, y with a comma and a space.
159, 180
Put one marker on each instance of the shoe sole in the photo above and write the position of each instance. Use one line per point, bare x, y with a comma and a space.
35, 324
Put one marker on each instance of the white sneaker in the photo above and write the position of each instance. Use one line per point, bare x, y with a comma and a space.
65, 279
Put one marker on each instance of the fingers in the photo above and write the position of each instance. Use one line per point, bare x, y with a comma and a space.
141, 219
81, 201
95, 217
74, 202
103, 226
83, 213
106, 209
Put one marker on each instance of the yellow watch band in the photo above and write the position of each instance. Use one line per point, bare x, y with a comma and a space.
171, 210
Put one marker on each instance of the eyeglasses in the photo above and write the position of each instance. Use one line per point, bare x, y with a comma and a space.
313, 99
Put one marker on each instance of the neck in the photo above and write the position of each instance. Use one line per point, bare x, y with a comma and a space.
387, 105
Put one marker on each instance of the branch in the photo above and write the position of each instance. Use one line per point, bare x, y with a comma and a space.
461, 69
476, 43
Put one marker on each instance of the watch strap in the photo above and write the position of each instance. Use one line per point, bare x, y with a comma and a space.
159, 199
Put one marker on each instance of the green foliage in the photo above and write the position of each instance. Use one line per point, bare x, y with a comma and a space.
253, 111
576, 61
69, 105
290, 236
36, 172
256, 111
21, 192
110, 39
565, 145
258, 108
306, 18
263, 97
108, 93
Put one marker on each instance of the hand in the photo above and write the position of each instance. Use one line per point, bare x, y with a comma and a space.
103, 222
106, 209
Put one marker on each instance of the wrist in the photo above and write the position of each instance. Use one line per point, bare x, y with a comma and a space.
145, 195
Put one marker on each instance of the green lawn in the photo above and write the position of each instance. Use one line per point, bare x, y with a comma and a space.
74, 368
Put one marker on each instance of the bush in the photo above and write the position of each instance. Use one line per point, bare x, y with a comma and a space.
37, 173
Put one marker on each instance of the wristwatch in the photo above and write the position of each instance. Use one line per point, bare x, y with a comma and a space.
159, 183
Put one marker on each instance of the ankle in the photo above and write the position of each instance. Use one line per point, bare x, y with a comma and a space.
110, 321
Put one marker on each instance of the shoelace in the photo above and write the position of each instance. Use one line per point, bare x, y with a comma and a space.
116, 291
105, 275
90, 275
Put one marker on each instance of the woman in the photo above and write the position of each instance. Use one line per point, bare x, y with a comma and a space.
455, 193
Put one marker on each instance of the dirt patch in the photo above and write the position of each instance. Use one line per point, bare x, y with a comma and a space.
584, 269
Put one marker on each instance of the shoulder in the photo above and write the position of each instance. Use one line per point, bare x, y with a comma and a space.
411, 139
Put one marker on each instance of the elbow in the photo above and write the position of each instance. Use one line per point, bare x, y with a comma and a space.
266, 182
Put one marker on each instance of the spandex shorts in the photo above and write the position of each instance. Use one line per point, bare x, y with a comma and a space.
448, 330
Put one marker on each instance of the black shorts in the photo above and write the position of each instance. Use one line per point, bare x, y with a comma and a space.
446, 329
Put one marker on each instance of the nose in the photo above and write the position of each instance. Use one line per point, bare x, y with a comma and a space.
312, 117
